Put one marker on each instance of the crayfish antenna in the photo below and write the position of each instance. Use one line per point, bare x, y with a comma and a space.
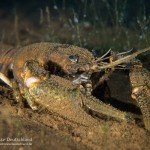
103, 56
127, 52
125, 59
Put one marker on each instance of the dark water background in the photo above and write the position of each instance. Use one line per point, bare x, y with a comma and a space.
99, 24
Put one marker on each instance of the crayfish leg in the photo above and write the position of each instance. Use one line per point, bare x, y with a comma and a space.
140, 81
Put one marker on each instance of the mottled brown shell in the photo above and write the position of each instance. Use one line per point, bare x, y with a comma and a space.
140, 83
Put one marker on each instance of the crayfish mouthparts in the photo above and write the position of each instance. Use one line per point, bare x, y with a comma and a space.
82, 78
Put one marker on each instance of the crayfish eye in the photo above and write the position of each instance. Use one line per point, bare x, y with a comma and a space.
74, 58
